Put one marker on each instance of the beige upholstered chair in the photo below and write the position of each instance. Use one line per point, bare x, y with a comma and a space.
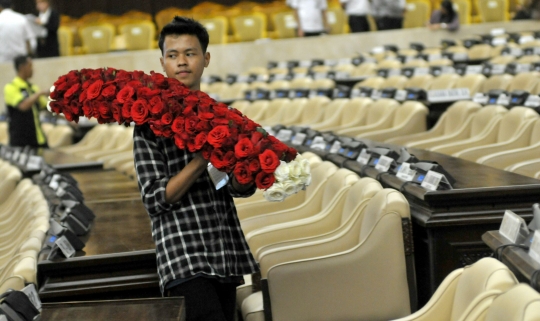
519, 303
249, 27
527, 168
464, 289
275, 111
473, 82
420, 81
120, 143
409, 118
314, 110
294, 111
139, 35
240, 105
480, 52
397, 82
500, 131
352, 114
526, 81
10, 178
98, 38
92, 139
372, 82
379, 116
256, 110
445, 81
60, 135
497, 82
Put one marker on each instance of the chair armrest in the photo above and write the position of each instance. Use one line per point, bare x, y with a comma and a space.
415, 124
355, 131
528, 168
507, 158
261, 206
480, 140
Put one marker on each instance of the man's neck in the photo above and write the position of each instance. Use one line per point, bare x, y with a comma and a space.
23, 78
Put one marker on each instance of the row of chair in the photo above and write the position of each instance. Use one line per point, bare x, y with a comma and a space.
57, 135
24, 221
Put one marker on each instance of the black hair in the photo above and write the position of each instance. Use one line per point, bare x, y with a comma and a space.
450, 14
6, 4
20, 61
184, 26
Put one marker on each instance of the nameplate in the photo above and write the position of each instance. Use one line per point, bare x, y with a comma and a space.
433, 180
23, 159
432, 57
534, 250
503, 100
377, 50
497, 31
31, 293
513, 51
511, 225
269, 130
15, 156
282, 64
355, 93
420, 71
400, 95
54, 183
375, 94
384, 163
443, 95
300, 75
345, 61
242, 78
299, 139
336, 146
304, 63
532, 101
280, 76
405, 172
34, 163
320, 75
284, 135
474, 69
364, 157
330, 62
67, 249
448, 70
525, 39
498, 41
480, 98
460, 56
219, 178
523, 68
498, 69
318, 143
342, 75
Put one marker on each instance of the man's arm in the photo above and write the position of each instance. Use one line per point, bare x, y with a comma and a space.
27, 103
180, 183
300, 32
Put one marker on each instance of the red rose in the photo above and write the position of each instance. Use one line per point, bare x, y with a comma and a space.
191, 100
179, 142
278, 147
156, 105
223, 161
109, 92
94, 89
68, 114
135, 84
238, 120
220, 110
123, 75
254, 165
88, 108
167, 118
269, 161
290, 154
218, 135
242, 173
206, 152
205, 115
139, 111
220, 122
72, 90
56, 107
147, 93
256, 137
116, 110
250, 125
264, 180
197, 143
178, 125
125, 93
243, 148
203, 126
75, 107
191, 124
159, 80
126, 109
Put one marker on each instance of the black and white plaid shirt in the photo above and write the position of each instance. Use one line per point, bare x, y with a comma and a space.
201, 233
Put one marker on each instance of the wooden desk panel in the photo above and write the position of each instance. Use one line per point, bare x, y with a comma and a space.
63, 161
98, 186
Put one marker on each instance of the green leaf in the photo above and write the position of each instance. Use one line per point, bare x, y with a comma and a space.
262, 131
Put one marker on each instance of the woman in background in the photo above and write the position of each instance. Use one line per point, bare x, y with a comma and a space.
444, 18
50, 20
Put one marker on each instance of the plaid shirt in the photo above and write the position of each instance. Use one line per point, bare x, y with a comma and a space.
201, 233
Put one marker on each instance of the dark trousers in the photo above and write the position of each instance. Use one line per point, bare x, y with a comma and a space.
389, 23
358, 23
312, 34
207, 299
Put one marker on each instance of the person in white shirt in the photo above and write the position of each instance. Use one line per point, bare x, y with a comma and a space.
357, 10
388, 13
49, 19
15, 33
310, 16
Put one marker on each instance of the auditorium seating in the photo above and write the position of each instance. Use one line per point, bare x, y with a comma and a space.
4, 134
59, 135
139, 36
351, 114
379, 116
520, 302
98, 38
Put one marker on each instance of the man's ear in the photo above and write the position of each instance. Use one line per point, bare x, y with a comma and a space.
162, 65
206, 59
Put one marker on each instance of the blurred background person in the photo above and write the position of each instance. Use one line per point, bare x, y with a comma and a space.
24, 102
15, 33
444, 18
49, 19
357, 10
310, 17
388, 14
529, 10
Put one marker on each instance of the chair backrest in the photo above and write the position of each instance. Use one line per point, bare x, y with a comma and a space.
275, 106
372, 82
259, 84
389, 64
240, 105
335, 106
98, 38
457, 114
285, 24
217, 28
502, 60
397, 81
419, 81
526, 81
301, 83
355, 109
336, 20
535, 133
404, 112
4, 134
485, 275
65, 40
365, 69
473, 82
512, 122
60, 135
480, 51
256, 108
417, 14
463, 9
497, 82
249, 27
444, 81
521, 303
380, 109
319, 175
314, 110
493, 10
415, 63
235, 91
323, 83
139, 36
165, 16
363, 189
484, 117
341, 180
441, 62
528, 59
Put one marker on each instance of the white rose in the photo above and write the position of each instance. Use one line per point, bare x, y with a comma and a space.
282, 172
295, 169
275, 193
289, 187
306, 167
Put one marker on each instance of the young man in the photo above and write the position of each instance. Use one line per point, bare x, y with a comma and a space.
23, 101
201, 250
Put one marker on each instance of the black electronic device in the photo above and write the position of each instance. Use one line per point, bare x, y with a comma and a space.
417, 94
423, 167
518, 98
389, 92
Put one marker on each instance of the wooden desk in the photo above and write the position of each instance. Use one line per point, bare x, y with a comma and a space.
517, 259
105, 185
448, 225
62, 161
162, 309
118, 261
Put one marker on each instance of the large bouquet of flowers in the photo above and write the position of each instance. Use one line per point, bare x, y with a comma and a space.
231, 142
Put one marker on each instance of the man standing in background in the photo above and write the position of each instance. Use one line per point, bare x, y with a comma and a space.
357, 10
388, 13
15, 33
310, 16
49, 19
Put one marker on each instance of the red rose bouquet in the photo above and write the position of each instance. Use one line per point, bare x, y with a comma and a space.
231, 142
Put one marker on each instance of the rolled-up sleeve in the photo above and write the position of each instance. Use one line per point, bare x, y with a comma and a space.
151, 171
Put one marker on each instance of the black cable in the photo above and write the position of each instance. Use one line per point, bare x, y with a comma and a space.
498, 251
534, 280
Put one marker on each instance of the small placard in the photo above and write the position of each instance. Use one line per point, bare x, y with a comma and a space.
219, 178
54, 181
282, 64
377, 50
503, 100
523, 68
432, 180
355, 93
305, 63
22, 159
8, 154
405, 172
498, 41
533, 101
375, 94
401, 95
442, 95
474, 69
497, 31
364, 157
525, 39
342, 75
300, 75
510, 226
384, 163
498, 69
336, 146
320, 75
269, 130
534, 250
318, 143
299, 139
460, 56
284, 135
433, 57
448, 70
15, 156
31, 293
480, 98
66, 247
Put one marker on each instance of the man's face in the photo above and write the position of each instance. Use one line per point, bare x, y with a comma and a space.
184, 59
42, 5
26, 70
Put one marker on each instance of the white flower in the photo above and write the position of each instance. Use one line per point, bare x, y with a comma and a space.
282, 172
276, 193
290, 187
295, 169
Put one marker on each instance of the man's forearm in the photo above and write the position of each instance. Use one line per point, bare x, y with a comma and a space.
180, 183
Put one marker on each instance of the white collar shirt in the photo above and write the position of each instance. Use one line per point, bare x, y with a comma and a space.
14, 32
310, 14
